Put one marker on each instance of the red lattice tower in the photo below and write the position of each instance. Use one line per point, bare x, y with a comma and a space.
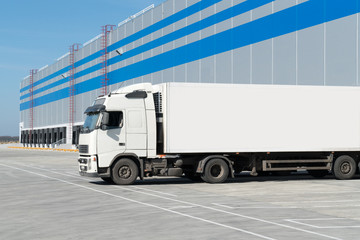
72, 50
31, 109
104, 56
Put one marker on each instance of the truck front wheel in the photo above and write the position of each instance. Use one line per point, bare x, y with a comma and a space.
124, 172
216, 171
344, 167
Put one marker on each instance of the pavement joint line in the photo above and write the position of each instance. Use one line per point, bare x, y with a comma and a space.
318, 227
210, 208
142, 203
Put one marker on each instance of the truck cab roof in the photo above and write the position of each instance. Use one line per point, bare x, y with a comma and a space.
147, 87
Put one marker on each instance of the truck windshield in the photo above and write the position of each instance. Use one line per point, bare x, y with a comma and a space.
90, 122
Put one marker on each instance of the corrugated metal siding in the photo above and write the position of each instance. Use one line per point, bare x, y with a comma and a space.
325, 54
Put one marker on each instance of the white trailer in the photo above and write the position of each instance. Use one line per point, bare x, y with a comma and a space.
213, 131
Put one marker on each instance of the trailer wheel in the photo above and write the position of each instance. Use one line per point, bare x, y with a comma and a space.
318, 173
344, 167
216, 171
107, 180
124, 172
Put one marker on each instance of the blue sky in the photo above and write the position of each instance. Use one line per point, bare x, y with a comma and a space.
35, 33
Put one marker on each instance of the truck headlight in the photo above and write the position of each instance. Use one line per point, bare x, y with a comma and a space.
83, 160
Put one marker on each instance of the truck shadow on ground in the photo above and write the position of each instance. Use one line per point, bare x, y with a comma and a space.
154, 181
292, 177
240, 178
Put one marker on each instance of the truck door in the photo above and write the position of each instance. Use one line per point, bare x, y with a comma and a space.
111, 139
136, 132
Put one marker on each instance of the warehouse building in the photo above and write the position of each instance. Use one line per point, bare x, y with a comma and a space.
297, 42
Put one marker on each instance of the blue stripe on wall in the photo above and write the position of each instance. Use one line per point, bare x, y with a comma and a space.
197, 7
55, 74
213, 19
309, 14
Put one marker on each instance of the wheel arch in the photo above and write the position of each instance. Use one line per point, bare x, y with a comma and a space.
354, 155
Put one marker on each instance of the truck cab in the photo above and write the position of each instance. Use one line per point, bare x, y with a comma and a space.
118, 126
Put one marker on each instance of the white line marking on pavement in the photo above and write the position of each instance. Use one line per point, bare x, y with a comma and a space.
142, 203
82, 177
322, 219
275, 207
181, 207
296, 202
326, 201
222, 205
145, 189
297, 221
281, 207
72, 173
303, 193
214, 209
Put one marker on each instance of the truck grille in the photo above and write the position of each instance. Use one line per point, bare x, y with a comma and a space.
83, 148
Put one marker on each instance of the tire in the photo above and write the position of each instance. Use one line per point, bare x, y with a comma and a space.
108, 180
344, 167
318, 173
124, 172
216, 171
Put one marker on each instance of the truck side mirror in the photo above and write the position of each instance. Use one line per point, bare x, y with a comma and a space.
104, 120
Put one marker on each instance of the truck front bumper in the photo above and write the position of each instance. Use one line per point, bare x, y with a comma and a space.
88, 166
86, 174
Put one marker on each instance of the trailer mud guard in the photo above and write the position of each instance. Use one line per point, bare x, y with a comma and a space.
202, 163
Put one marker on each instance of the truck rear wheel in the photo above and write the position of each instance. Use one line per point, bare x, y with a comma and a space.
216, 171
344, 167
124, 172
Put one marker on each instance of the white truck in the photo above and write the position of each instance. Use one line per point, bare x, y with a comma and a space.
213, 131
